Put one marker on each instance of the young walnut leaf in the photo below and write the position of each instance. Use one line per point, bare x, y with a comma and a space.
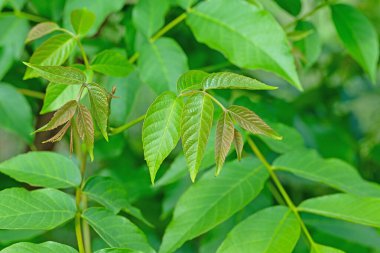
85, 128
223, 140
53, 52
59, 74
251, 122
82, 21
191, 80
239, 143
227, 80
41, 30
161, 130
58, 136
61, 116
195, 126
99, 106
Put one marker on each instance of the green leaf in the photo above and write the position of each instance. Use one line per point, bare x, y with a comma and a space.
116, 231
85, 128
59, 74
191, 80
356, 209
224, 139
291, 6
57, 95
14, 108
358, 36
291, 139
102, 9
185, 4
310, 46
213, 200
42, 209
161, 130
107, 192
53, 52
195, 126
227, 80
332, 172
162, 63
13, 33
44, 169
251, 122
60, 117
82, 20
111, 194
318, 248
7, 237
46, 247
239, 143
118, 250
99, 106
274, 229
41, 30
260, 46
111, 63
148, 16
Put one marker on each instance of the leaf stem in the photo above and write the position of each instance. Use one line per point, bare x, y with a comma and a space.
84, 56
126, 126
306, 15
31, 93
160, 33
216, 101
283, 192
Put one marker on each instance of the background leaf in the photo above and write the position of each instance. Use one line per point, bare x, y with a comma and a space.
116, 231
111, 63
52, 52
161, 63
195, 126
361, 210
310, 46
82, 20
358, 36
42, 209
44, 169
161, 130
273, 229
15, 111
148, 16
212, 200
332, 172
214, 21
46, 247
291, 6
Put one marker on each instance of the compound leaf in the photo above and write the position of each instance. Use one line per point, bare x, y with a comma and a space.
161, 130
195, 126
59, 74
251, 122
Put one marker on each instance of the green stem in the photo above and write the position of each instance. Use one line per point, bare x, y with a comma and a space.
306, 15
127, 125
160, 33
168, 27
283, 192
216, 101
84, 56
31, 93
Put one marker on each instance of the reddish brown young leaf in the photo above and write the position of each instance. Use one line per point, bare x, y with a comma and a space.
85, 128
61, 116
239, 143
251, 122
224, 137
58, 136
